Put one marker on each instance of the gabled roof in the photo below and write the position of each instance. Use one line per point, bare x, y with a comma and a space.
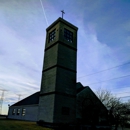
34, 98
87, 90
30, 100
79, 87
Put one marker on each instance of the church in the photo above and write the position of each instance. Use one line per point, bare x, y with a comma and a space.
61, 99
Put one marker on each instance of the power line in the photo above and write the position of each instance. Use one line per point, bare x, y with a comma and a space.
109, 79
124, 96
121, 93
19, 96
120, 88
104, 70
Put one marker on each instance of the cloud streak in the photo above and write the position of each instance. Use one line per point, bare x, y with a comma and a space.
44, 12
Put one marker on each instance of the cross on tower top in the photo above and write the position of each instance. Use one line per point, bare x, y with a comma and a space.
62, 13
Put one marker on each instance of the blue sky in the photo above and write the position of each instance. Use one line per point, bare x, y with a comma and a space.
103, 43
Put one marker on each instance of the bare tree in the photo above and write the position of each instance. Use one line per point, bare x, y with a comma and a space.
117, 109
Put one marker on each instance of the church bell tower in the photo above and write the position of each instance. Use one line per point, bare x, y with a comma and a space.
57, 101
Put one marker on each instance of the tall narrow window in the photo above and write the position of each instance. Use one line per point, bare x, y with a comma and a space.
18, 111
68, 35
52, 35
13, 112
23, 111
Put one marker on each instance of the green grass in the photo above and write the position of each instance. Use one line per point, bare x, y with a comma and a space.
20, 125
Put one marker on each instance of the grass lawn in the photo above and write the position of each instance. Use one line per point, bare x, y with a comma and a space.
6, 124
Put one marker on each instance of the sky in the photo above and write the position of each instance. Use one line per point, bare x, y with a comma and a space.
103, 56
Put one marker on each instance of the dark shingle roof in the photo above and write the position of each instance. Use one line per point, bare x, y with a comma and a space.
30, 100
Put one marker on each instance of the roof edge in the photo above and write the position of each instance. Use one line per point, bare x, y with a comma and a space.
63, 21
25, 98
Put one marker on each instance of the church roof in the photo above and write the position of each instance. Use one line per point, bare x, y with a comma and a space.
79, 87
30, 100
34, 98
87, 92
63, 21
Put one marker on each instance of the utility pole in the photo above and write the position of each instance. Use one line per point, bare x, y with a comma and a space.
19, 96
1, 99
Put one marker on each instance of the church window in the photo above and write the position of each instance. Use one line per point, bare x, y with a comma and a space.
68, 35
23, 111
18, 111
52, 35
13, 112
65, 111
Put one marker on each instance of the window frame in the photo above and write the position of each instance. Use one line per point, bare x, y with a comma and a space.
23, 111
18, 111
68, 35
52, 35
13, 111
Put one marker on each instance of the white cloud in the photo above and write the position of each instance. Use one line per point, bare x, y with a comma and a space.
21, 63
94, 56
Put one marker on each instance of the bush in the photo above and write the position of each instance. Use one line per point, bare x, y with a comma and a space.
127, 125
40, 122
63, 127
